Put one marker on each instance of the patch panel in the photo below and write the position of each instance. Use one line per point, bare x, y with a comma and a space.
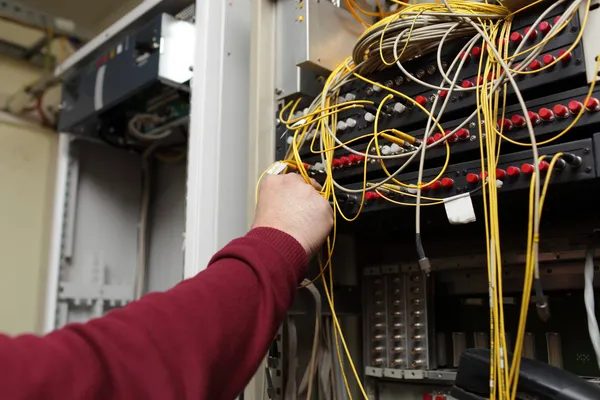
513, 172
396, 322
571, 69
465, 143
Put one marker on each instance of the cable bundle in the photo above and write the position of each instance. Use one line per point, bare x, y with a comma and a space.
410, 33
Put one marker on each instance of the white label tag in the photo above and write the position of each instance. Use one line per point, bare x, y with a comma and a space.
277, 168
459, 209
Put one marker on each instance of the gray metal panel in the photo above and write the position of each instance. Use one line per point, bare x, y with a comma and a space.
314, 35
167, 226
108, 203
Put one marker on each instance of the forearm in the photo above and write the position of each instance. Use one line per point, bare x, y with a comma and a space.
202, 339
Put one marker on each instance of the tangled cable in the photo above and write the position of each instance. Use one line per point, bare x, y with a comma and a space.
413, 31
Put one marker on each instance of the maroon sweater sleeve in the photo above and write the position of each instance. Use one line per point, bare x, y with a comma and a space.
203, 339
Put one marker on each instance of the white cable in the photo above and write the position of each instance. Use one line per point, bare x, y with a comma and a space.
140, 276
308, 378
588, 296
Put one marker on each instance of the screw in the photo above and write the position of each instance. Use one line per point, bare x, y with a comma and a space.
588, 169
453, 99
586, 151
577, 62
278, 91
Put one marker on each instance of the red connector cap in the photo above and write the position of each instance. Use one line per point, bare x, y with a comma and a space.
436, 185
463, 133
533, 117
505, 124
335, 163
472, 178
513, 171
466, 84
527, 169
556, 19
447, 183
566, 58
575, 106
544, 166
443, 94
516, 38
372, 196
479, 80
518, 120
500, 174
464, 56
545, 27
548, 59
535, 65
546, 114
530, 34
430, 140
476, 51
344, 161
592, 104
451, 138
483, 175
421, 100
560, 111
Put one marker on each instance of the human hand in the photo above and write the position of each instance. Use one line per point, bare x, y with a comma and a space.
288, 203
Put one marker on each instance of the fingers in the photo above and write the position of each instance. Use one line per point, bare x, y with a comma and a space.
315, 184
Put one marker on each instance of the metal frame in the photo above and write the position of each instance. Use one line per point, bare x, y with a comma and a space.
218, 143
58, 227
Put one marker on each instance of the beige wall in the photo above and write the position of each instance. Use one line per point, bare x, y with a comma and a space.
27, 165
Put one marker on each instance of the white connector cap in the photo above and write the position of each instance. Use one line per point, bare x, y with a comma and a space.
376, 88
369, 117
305, 111
301, 122
290, 139
319, 166
395, 148
350, 97
399, 108
386, 150
351, 122
299, 114
341, 126
499, 183
341, 99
